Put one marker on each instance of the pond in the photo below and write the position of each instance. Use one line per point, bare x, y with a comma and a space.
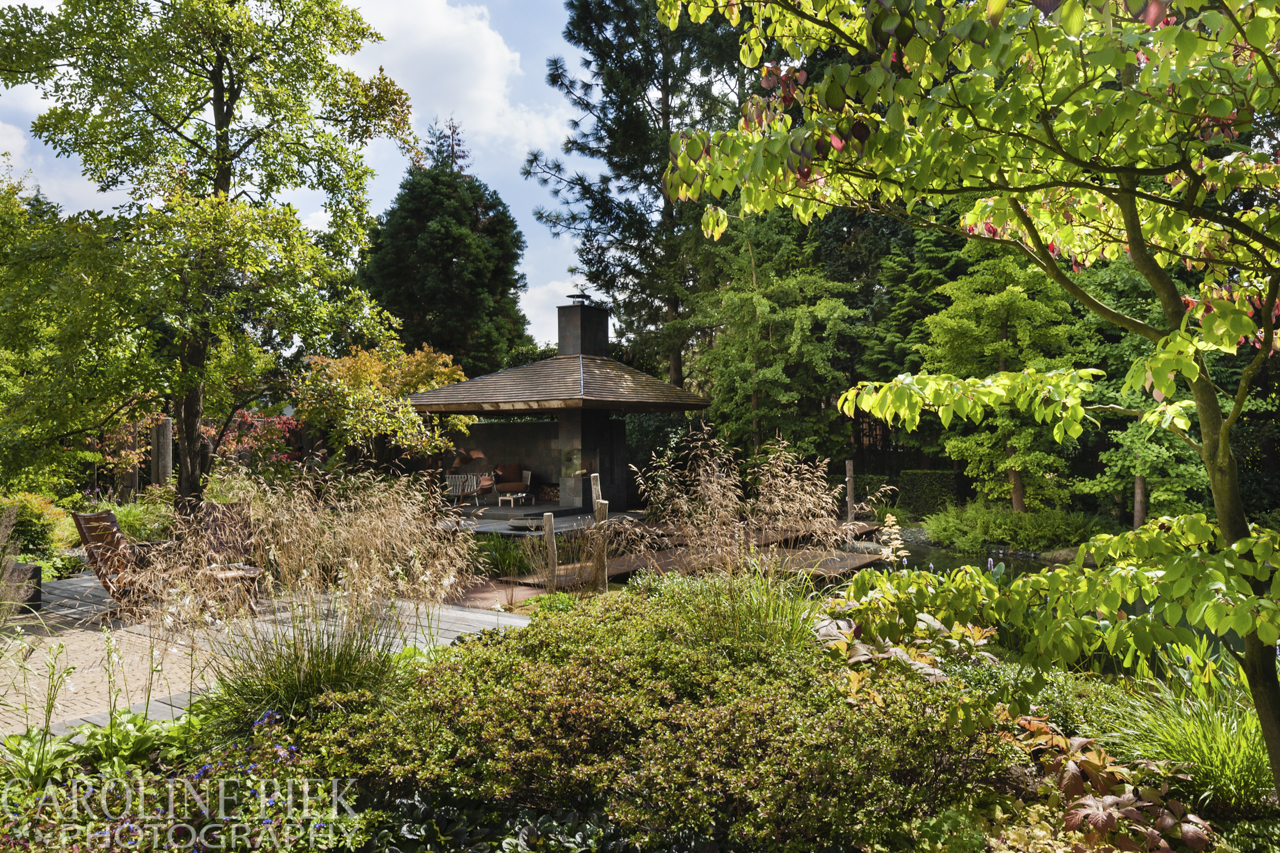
943, 560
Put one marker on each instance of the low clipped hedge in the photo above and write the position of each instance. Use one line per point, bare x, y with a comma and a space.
618, 708
924, 492
865, 486
35, 521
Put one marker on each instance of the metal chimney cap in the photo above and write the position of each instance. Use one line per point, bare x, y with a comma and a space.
580, 298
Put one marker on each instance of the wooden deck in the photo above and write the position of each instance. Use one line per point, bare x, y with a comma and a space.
674, 554
800, 562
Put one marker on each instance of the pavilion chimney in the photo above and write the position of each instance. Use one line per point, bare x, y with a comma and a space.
584, 328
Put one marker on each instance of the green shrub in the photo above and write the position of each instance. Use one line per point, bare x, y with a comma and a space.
60, 566
145, 522
1249, 836
1217, 734
432, 827
37, 517
865, 486
556, 602
1080, 704
924, 492
628, 707
975, 526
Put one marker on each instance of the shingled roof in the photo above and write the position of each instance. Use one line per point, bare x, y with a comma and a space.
562, 382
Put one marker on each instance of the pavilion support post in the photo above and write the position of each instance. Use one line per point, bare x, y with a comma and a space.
572, 464
553, 564
602, 546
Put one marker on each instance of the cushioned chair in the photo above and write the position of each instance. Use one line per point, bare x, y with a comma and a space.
468, 487
511, 483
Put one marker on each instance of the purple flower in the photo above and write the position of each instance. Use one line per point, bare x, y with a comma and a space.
991, 564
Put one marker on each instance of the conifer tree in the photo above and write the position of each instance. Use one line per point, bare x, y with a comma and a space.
444, 259
1004, 315
642, 81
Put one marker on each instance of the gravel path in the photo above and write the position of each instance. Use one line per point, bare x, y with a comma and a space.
144, 667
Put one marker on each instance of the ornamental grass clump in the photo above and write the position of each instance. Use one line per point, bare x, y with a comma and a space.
1214, 735
15, 585
310, 645
739, 609
353, 566
369, 535
713, 511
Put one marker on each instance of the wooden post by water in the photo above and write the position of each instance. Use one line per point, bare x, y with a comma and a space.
595, 490
162, 451
602, 546
553, 564
129, 480
848, 487
1139, 501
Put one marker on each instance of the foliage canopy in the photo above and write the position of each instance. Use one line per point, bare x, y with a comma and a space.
1086, 132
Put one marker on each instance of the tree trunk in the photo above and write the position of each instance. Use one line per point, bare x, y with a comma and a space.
194, 452
189, 413
1260, 671
755, 419
1018, 492
1139, 501
675, 358
162, 451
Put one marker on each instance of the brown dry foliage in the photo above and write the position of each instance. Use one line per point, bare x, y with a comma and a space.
362, 536
711, 510
387, 537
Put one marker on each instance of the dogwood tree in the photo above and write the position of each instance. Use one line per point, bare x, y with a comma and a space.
1078, 132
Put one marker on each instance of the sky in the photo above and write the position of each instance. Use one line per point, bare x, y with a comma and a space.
481, 63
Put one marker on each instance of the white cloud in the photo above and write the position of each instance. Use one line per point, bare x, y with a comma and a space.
59, 180
317, 220
539, 304
452, 62
13, 142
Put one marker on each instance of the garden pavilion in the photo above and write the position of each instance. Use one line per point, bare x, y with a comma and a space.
584, 389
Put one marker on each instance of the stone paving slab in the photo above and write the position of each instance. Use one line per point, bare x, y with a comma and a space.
180, 700
156, 710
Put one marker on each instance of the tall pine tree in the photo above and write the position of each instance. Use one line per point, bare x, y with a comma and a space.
642, 81
444, 260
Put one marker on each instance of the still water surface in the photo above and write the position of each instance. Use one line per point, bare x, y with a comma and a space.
942, 560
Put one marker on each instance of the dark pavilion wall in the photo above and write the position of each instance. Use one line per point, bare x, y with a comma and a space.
594, 443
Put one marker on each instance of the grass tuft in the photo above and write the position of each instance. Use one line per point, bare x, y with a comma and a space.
1215, 733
